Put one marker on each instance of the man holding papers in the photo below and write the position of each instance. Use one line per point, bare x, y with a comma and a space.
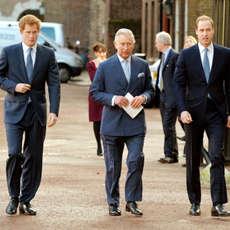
117, 80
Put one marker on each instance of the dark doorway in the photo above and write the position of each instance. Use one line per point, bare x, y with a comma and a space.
34, 12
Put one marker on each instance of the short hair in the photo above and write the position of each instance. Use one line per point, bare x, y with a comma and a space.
194, 40
98, 46
164, 37
125, 32
204, 18
30, 20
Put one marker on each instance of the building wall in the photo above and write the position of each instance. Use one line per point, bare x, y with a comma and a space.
7, 7
197, 8
150, 27
74, 16
97, 23
124, 14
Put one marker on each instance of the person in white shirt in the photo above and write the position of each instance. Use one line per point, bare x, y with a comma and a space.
28, 67
201, 71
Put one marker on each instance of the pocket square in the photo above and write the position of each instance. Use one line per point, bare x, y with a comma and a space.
140, 75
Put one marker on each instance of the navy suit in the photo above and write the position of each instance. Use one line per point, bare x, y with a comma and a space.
168, 106
30, 118
191, 90
117, 127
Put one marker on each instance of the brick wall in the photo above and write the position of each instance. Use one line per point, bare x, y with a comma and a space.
97, 23
7, 6
74, 16
124, 14
197, 8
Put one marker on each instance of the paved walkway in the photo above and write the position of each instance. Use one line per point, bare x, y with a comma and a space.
72, 193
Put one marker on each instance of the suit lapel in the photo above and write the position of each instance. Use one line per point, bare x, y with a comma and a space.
134, 72
118, 71
21, 62
198, 62
214, 62
167, 60
38, 61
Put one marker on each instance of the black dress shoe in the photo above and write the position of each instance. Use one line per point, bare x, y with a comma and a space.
132, 207
218, 210
195, 210
99, 151
181, 138
11, 209
26, 209
168, 160
114, 211
175, 160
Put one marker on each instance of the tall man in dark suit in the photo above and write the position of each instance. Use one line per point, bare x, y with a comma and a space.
164, 87
200, 74
28, 66
115, 77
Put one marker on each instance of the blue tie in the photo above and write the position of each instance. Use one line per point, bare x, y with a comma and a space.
126, 70
206, 67
29, 66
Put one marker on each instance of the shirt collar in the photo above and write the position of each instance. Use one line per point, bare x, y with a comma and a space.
202, 48
167, 51
26, 48
121, 59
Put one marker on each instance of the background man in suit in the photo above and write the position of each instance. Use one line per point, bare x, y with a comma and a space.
200, 73
28, 66
118, 75
164, 86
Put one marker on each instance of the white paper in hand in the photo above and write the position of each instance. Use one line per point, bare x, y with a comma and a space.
131, 111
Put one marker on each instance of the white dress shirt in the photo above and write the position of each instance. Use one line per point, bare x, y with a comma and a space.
165, 58
210, 53
26, 51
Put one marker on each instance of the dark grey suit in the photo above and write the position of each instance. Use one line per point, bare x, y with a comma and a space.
168, 106
21, 117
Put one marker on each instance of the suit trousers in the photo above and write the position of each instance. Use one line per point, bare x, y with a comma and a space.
27, 166
113, 151
215, 127
169, 117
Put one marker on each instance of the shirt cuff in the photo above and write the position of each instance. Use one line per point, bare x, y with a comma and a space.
113, 99
145, 98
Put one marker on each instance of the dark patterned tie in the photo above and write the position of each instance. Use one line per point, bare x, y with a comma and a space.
29, 66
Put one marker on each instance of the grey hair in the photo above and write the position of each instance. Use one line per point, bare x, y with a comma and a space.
125, 32
164, 37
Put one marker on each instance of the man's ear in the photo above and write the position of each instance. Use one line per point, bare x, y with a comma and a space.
115, 44
196, 31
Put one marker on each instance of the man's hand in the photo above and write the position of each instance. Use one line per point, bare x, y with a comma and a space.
52, 119
137, 101
185, 117
120, 100
228, 122
22, 88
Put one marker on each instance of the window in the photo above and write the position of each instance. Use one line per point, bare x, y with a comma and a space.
49, 31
